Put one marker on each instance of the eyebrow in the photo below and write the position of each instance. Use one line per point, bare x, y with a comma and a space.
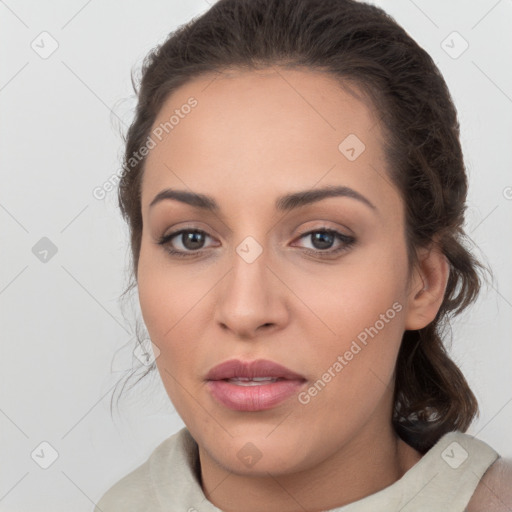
284, 203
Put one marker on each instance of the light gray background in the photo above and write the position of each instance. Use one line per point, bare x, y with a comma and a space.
65, 342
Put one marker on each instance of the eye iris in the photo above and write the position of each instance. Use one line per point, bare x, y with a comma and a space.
325, 239
192, 237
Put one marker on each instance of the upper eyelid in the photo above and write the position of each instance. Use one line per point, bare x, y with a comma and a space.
324, 226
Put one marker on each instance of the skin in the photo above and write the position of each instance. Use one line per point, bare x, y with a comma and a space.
494, 492
253, 137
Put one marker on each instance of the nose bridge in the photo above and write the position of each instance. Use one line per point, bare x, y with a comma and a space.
248, 280
250, 296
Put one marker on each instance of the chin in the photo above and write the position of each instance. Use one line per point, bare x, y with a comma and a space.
255, 452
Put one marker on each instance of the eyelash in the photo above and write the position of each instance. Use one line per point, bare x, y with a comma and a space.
348, 242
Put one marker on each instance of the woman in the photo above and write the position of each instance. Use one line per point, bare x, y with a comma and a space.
295, 190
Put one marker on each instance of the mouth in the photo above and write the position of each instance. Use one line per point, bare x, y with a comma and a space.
256, 381
254, 385
256, 370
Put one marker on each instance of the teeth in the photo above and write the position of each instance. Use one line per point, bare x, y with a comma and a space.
256, 381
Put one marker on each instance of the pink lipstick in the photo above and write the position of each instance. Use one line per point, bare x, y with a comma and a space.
253, 385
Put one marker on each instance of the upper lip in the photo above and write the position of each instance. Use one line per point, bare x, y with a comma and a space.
251, 369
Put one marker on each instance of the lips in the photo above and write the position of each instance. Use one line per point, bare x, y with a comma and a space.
252, 386
235, 368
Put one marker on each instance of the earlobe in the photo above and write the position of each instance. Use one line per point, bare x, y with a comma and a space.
427, 289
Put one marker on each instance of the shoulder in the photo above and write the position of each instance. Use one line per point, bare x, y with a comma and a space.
494, 491
129, 494
135, 492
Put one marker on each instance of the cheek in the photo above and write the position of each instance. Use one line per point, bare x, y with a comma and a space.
167, 301
362, 313
175, 308
354, 369
365, 334
347, 300
167, 295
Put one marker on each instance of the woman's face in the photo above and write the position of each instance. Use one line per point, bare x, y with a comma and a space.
262, 279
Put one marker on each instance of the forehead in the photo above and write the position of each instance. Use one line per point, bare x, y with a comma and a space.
265, 132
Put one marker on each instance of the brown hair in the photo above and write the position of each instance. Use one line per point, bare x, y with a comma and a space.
361, 45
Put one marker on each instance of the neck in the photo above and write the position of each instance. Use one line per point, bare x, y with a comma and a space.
370, 461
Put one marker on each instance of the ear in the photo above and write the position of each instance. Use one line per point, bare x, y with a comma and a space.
428, 284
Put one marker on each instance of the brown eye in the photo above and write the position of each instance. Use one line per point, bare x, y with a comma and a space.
323, 239
190, 242
179, 243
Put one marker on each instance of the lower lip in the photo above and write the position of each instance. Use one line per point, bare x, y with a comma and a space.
253, 398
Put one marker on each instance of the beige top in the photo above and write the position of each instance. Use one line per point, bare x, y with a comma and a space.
444, 479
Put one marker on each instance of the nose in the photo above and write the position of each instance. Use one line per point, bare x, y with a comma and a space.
251, 299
